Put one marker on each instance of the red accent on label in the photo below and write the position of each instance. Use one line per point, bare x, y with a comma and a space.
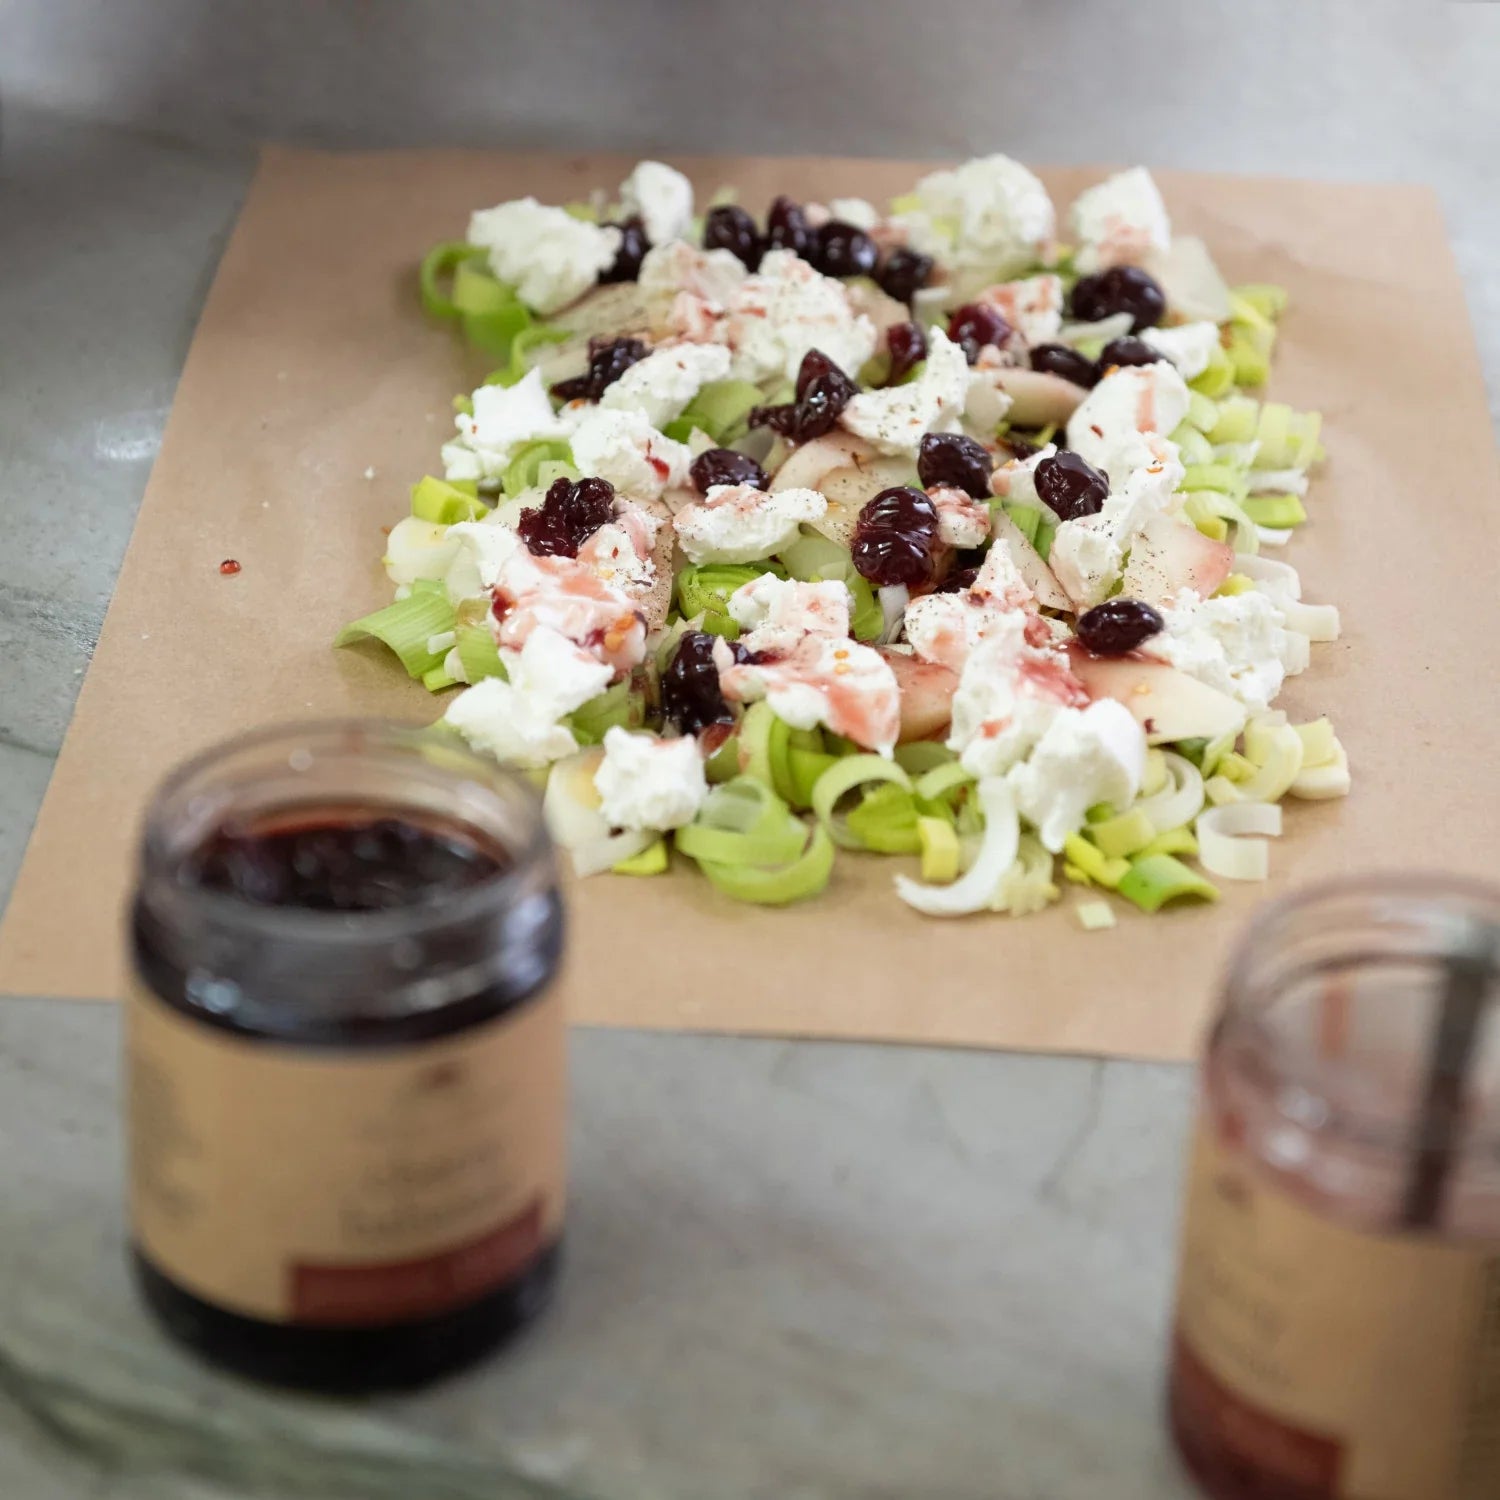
1227, 1439
360, 1295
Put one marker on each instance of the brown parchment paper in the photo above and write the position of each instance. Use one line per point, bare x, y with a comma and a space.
312, 365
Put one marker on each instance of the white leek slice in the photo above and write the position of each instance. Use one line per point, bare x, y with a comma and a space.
1027, 886
1278, 482
1277, 752
1181, 800
976, 889
596, 857
1296, 654
1095, 916
1322, 783
1318, 622
894, 597
1225, 843
1273, 536
570, 806
1279, 579
418, 549
1101, 331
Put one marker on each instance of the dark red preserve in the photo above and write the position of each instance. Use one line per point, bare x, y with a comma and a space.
345, 1057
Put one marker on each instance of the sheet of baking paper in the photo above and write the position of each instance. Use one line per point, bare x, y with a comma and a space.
315, 393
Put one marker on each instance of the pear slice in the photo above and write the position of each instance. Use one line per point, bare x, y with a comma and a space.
1040, 579
807, 463
927, 691
1187, 274
1169, 556
849, 490
1167, 704
616, 310
1037, 399
883, 310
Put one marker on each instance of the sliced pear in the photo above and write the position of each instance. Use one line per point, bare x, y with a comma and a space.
655, 602
615, 310
883, 310
1166, 703
1037, 398
806, 465
565, 361
927, 691
850, 489
1168, 556
1040, 579
1187, 274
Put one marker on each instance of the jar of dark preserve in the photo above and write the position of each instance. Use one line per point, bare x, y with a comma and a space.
345, 1056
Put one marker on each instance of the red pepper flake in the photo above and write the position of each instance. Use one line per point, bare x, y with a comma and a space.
229, 567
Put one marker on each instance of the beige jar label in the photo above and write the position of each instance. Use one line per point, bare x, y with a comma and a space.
1349, 1365
309, 1186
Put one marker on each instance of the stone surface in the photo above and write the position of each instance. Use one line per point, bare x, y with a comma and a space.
797, 1271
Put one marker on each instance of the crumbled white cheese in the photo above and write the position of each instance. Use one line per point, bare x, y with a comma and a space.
649, 784
991, 213
662, 198
516, 720
1088, 554
856, 211
787, 308
547, 255
484, 547
1190, 346
1132, 399
1086, 756
613, 556
1120, 220
713, 275
963, 521
626, 449
566, 596
945, 628
1008, 694
1032, 307
1237, 643
777, 612
736, 523
504, 417
826, 680
663, 383
895, 418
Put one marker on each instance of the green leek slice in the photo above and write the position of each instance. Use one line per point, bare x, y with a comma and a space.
619, 706
805, 876
1276, 511
940, 850
406, 627
652, 860
444, 504
523, 345
1155, 879
885, 820
523, 471
441, 262
1124, 835
478, 654
839, 780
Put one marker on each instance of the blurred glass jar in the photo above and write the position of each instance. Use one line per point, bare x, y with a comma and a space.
1337, 1331
345, 1056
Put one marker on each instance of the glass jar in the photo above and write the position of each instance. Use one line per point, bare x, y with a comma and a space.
1337, 1331
345, 1056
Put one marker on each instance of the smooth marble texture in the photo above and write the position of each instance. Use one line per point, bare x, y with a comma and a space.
797, 1272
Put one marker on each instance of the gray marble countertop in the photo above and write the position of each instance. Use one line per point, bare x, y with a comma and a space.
797, 1271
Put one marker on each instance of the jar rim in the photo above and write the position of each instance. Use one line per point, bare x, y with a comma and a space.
322, 740
1461, 914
